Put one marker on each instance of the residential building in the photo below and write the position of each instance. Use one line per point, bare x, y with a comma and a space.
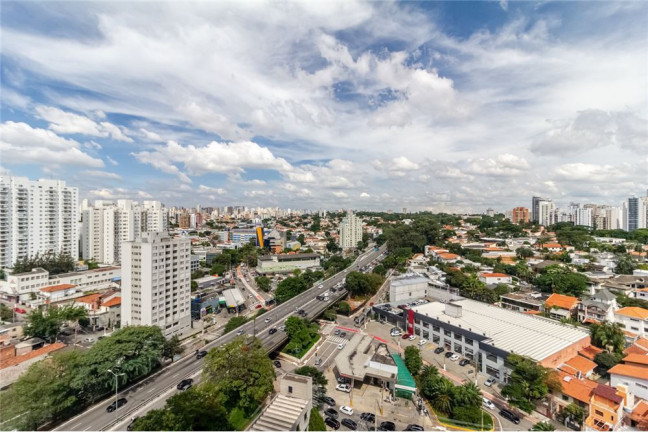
243, 236
578, 366
523, 301
37, 217
156, 288
574, 390
408, 287
287, 263
350, 231
561, 306
291, 407
633, 319
546, 212
597, 308
520, 215
606, 409
634, 213
495, 278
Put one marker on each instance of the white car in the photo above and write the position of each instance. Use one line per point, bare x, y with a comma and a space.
411, 337
340, 346
343, 388
489, 382
422, 342
488, 404
267, 320
250, 296
346, 410
90, 340
454, 357
320, 287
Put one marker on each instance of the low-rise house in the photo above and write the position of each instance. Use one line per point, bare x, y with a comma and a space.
448, 258
636, 359
633, 319
634, 377
495, 278
290, 409
598, 308
606, 409
579, 367
16, 358
561, 306
523, 301
574, 390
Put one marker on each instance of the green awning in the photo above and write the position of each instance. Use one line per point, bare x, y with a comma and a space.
405, 381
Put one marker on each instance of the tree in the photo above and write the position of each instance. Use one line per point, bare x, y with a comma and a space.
441, 394
361, 284
608, 336
413, 360
527, 383
543, 426
301, 334
301, 239
501, 289
46, 324
241, 373
574, 413
171, 347
318, 377
263, 283
606, 361
560, 280
316, 422
289, 288
467, 395
6, 314
380, 270
625, 264
234, 323
343, 308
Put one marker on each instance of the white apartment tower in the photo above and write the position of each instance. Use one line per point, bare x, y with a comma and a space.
156, 282
106, 226
37, 217
546, 212
350, 231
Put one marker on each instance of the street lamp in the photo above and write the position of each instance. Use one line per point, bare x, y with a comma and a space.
116, 375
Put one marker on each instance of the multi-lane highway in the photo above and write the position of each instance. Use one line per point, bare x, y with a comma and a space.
152, 392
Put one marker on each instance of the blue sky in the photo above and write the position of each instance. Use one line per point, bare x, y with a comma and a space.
447, 106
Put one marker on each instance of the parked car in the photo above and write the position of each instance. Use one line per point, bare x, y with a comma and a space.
117, 404
509, 415
185, 384
490, 381
340, 346
336, 332
328, 400
464, 362
422, 342
332, 423
449, 354
20, 310
343, 388
438, 350
387, 426
414, 427
240, 332
272, 331
343, 334
488, 403
405, 336
411, 337
368, 417
342, 380
346, 410
89, 340
131, 425
258, 306
350, 424
200, 354
454, 357
331, 413
277, 363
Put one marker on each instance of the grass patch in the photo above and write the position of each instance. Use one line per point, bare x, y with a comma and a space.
488, 422
301, 353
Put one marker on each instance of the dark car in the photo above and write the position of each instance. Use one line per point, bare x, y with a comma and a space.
509, 415
118, 403
301, 312
387, 426
464, 362
131, 425
331, 413
343, 334
349, 423
185, 384
414, 427
328, 400
449, 354
331, 422
438, 350
368, 417
277, 363
272, 331
405, 336
200, 354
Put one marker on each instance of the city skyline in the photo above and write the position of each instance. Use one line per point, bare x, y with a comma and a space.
444, 106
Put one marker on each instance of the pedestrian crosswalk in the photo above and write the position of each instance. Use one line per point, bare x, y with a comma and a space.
337, 340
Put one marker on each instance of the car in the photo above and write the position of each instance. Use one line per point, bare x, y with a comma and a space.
449, 354
328, 400
250, 296
438, 350
131, 425
337, 332
117, 404
346, 410
320, 287
368, 417
490, 381
331, 413
454, 357
89, 340
343, 388
405, 336
350, 424
342, 380
240, 332
488, 403
340, 346
332, 423
277, 363
282, 328
267, 320
414, 427
101, 337
422, 342
411, 337
272, 331
201, 354
20, 310
318, 361
300, 311
464, 362
394, 334
343, 334
509, 415
185, 384
387, 426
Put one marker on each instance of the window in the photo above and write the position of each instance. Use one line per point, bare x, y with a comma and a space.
289, 389
447, 332
491, 357
457, 336
468, 341
598, 413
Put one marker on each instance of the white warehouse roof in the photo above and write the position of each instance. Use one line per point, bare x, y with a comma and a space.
514, 332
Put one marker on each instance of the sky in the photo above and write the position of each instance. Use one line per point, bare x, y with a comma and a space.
442, 106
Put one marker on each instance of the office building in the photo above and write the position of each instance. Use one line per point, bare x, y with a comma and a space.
520, 215
287, 263
37, 217
535, 208
350, 231
106, 225
156, 282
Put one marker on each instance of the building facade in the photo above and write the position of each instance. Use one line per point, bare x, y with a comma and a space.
156, 282
37, 217
520, 215
287, 263
350, 231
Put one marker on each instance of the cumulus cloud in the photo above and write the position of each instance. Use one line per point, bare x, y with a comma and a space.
505, 165
210, 190
69, 123
101, 174
151, 136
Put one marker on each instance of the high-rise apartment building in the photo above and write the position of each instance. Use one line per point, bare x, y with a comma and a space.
535, 208
37, 217
635, 213
156, 282
546, 212
107, 225
520, 215
350, 231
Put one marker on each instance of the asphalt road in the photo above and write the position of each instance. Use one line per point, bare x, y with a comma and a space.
152, 392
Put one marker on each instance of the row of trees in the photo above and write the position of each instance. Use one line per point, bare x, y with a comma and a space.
529, 382
54, 263
57, 388
46, 323
297, 284
363, 284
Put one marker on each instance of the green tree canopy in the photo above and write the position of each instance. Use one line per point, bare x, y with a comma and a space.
263, 283
171, 347
528, 383
234, 323
318, 377
53, 263
413, 360
608, 336
316, 422
543, 426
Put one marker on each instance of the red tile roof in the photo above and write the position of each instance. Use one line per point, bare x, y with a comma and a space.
578, 364
92, 298
590, 351
112, 302
579, 389
640, 372
31, 355
633, 312
495, 275
608, 393
636, 358
54, 288
561, 301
